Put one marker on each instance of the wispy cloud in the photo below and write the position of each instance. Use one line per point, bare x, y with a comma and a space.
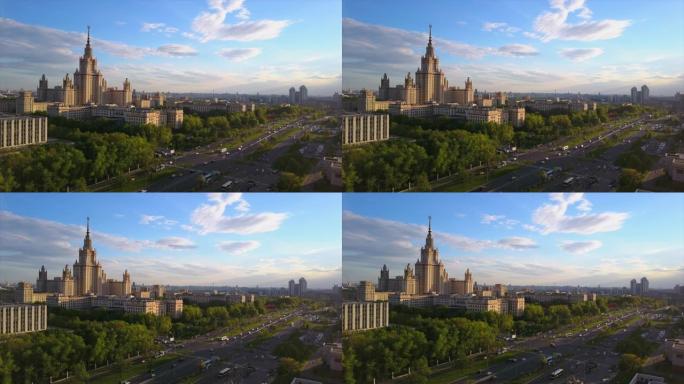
211, 25
581, 247
239, 54
553, 24
211, 217
554, 217
238, 247
580, 54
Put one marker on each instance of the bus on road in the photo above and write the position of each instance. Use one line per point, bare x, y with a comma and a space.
556, 373
224, 372
568, 181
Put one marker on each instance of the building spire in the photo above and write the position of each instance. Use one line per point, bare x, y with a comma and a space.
430, 38
429, 224
87, 243
88, 42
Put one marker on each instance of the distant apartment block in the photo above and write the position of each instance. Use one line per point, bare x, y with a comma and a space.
16, 319
508, 305
560, 106
365, 128
233, 107
237, 298
19, 131
361, 316
172, 118
297, 289
170, 307
560, 297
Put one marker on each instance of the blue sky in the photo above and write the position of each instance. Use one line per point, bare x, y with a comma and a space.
520, 46
520, 238
245, 46
221, 239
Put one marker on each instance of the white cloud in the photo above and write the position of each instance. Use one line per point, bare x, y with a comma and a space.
500, 27
518, 50
148, 219
581, 247
211, 217
239, 54
580, 54
211, 25
488, 219
177, 50
518, 243
553, 217
148, 27
175, 243
553, 24
238, 247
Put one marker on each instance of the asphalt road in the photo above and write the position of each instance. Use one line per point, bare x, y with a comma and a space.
245, 174
589, 174
576, 355
226, 354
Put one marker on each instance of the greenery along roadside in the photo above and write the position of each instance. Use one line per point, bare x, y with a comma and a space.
98, 149
424, 149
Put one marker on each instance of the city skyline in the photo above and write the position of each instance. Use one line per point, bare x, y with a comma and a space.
520, 239
564, 46
222, 46
180, 239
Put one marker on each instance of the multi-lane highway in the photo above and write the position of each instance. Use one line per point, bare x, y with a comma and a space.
210, 168
203, 357
569, 169
570, 351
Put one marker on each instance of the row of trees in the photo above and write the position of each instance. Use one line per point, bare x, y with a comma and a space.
58, 167
442, 146
415, 343
37, 357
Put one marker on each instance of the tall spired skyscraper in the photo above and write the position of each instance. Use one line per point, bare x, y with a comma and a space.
430, 272
87, 270
430, 80
88, 80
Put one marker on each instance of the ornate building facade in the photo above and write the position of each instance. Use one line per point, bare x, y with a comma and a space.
88, 277
430, 272
87, 87
430, 276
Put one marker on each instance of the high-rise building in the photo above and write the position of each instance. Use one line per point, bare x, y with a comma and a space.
293, 95
430, 80
633, 286
634, 94
303, 94
89, 81
302, 286
644, 285
430, 272
91, 279
644, 94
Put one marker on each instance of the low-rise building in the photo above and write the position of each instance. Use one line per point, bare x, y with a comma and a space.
365, 128
674, 350
170, 307
361, 316
18, 131
16, 319
675, 167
